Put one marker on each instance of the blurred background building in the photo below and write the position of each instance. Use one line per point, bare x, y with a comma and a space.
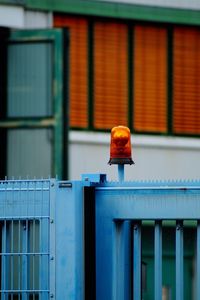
71, 70
133, 63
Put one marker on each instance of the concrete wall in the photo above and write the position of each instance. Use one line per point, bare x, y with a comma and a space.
155, 158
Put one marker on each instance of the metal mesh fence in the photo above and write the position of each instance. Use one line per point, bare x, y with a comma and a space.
24, 240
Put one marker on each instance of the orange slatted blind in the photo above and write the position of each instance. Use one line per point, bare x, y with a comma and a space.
186, 81
78, 75
150, 79
110, 75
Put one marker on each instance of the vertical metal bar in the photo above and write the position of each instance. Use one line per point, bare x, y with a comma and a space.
137, 286
121, 172
158, 260
5, 249
127, 255
19, 257
198, 260
7, 258
20, 250
122, 261
4, 267
12, 274
11, 262
33, 245
44, 258
179, 260
24, 260
33, 259
116, 269
51, 243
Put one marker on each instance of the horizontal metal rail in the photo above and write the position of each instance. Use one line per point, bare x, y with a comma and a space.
128, 188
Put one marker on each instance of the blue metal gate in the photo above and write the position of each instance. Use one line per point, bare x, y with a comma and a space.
121, 212
83, 239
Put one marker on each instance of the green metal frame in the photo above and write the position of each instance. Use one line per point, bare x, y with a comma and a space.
13, 2
114, 10
57, 120
119, 10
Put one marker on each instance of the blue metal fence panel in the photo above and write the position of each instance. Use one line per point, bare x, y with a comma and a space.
25, 250
41, 229
41, 237
136, 203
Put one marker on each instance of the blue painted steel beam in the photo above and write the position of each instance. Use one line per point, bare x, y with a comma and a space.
149, 204
121, 172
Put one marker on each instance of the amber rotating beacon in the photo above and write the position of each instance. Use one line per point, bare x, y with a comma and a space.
120, 146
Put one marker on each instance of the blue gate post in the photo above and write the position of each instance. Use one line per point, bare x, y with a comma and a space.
69, 238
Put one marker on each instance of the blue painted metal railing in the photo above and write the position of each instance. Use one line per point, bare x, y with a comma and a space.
43, 235
121, 210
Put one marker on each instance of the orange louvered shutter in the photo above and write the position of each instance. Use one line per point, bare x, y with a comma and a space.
78, 69
186, 81
150, 79
110, 75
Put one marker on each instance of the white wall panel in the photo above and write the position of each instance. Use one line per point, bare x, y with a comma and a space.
11, 16
17, 17
35, 19
155, 158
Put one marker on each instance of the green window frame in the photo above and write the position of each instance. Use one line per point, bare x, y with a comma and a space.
58, 121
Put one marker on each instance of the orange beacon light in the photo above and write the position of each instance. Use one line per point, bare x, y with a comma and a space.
120, 146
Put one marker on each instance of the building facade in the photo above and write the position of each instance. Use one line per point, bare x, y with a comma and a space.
71, 70
133, 63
